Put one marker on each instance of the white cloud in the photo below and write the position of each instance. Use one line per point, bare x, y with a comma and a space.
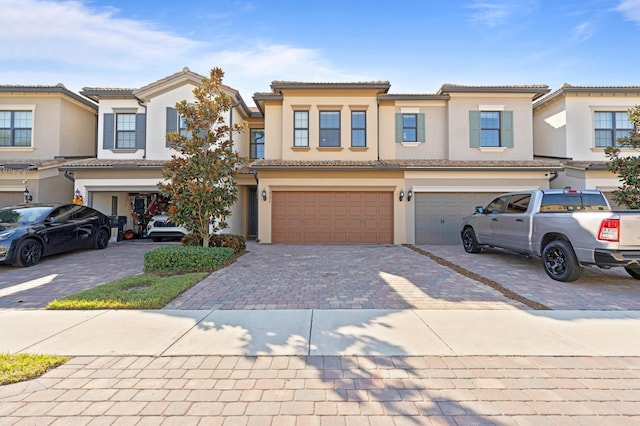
70, 42
582, 32
630, 9
492, 13
71, 33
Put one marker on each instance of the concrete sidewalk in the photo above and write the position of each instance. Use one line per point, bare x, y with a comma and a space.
321, 333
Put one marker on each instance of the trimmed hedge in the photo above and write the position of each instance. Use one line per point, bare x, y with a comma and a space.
236, 242
182, 259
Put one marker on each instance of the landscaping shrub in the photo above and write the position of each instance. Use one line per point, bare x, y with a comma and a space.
236, 242
186, 259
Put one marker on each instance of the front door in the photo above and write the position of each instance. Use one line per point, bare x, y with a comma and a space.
253, 211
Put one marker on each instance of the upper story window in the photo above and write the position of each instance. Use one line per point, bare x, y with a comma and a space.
256, 143
301, 128
330, 128
358, 128
409, 127
125, 131
491, 129
182, 126
611, 126
15, 128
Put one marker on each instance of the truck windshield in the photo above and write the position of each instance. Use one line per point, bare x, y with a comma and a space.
572, 202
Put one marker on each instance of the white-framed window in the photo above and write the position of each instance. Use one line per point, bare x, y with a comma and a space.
125, 131
16, 128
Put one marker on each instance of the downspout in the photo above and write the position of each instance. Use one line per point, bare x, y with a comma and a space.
146, 118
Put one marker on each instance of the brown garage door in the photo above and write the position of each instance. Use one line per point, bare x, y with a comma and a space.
10, 198
332, 218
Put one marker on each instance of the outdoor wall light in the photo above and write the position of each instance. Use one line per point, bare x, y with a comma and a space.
409, 195
401, 194
264, 194
27, 196
77, 193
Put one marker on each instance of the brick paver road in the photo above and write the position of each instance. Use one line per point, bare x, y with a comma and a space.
330, 391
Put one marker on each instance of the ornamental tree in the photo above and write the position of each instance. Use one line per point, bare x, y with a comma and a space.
627, 167
200, 180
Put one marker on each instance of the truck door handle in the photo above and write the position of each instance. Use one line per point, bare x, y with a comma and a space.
495, 219
519, 220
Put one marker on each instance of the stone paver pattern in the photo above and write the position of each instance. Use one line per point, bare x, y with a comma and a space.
228, 390
338, 277
598, 289
60, 275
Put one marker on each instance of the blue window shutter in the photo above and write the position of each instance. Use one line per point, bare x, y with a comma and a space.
172, 121
398, 127
141, 130
108, 137
507, 129
421, 128
474, 129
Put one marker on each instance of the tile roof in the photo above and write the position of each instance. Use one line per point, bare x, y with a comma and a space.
30, 164
403, 164
107, 163
58, 88
568, 88
586, 165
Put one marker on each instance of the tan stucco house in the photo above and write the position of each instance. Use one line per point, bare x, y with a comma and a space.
41, 129
352, 163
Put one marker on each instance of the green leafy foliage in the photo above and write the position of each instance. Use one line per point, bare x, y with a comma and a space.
627, 166
19, 367
236, 242
182, 259
146, 291
200, 180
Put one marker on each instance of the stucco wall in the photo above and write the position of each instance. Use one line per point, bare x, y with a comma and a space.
459, 129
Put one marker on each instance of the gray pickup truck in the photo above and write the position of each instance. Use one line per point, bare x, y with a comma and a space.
567, 228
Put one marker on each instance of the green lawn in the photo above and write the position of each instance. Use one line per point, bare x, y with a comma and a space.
20, 367
145, 291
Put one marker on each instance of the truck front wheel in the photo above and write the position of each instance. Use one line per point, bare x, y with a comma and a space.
469, 241
560, 262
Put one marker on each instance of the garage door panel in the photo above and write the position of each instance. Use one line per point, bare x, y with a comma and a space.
438, 216
333, 217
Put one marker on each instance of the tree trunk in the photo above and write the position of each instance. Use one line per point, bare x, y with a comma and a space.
205, 240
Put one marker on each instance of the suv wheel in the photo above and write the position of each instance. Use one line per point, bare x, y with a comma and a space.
469, 241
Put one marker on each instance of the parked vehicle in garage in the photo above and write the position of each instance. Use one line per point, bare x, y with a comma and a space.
29, 232
568, 228
160, 228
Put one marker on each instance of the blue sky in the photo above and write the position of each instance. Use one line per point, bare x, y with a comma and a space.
415, 45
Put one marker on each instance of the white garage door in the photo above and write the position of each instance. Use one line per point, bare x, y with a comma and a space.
439, 214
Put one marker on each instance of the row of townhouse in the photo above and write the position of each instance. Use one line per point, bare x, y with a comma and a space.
329, 162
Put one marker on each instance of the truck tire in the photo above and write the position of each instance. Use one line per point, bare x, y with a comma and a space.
560, 262
469, 241
633, 271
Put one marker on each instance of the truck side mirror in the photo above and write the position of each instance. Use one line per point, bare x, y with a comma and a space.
479, 209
